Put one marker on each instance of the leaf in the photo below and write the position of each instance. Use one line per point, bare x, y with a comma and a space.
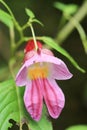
32, 17
30, 13
9, 107
82, 35
58, 48
37, 21
66, 8
78, 127
6, 18
12, 107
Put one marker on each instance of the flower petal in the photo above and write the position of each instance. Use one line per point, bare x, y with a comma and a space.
42, 57
60, 72
21, 76
29, 55
58, 68
54, 97
33, 99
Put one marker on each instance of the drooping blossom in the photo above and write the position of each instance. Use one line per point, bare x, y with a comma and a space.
38, 73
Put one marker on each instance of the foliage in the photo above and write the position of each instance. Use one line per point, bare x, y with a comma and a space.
66, 8
77, 127
6, 18
68, 11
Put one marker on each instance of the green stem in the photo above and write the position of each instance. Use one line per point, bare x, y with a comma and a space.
18, 27
34, 38
12, 39
25, 26
65, 32
9, 10
20, 107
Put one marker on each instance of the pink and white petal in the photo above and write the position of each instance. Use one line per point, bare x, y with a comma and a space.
21, 76
59, 68
42, 57
32, 60
53, 97
49, 57
47, 52
29, 55
60, 72
33, 99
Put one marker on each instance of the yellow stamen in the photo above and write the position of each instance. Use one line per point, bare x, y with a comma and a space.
38, 71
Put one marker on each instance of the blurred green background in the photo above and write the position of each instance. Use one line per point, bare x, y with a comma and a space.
75, 89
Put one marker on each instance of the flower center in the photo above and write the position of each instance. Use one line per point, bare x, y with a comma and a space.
38, 70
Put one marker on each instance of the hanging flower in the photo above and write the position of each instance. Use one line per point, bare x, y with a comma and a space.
38, 74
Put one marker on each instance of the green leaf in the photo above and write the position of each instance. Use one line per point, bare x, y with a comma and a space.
12, 107
82, 34
30, 13
66, 8
37, 21
9, 104
32, 17
78, 127
6, 18
58, 48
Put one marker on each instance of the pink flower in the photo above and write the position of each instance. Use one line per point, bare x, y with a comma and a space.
38, 74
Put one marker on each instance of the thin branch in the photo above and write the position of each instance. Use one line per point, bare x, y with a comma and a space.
69, 27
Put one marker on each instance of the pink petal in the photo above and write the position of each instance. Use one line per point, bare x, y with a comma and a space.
29, 55
21, 76
42, 57
58, 69
54, 97
33, 99
60, 72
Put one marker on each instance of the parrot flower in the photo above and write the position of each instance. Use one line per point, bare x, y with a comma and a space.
38, 73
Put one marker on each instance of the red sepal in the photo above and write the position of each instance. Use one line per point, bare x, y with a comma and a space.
31, 46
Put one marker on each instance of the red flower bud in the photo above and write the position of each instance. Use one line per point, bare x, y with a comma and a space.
31, 46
